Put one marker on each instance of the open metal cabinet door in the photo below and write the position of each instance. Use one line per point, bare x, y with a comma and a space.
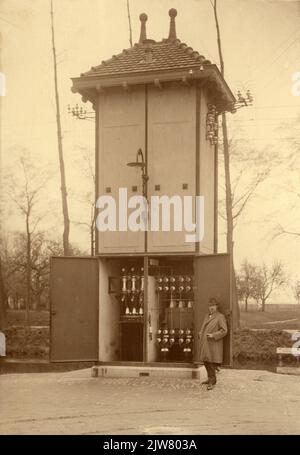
213, 279
74, 300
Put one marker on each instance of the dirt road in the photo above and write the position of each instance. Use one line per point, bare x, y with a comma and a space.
244, 402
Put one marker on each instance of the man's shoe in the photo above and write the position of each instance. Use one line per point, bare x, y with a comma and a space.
205, 382
210, 386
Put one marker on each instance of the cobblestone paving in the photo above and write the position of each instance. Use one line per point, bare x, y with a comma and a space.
244, 402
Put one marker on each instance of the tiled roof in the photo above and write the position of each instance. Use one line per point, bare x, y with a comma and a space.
150, 56
149, 61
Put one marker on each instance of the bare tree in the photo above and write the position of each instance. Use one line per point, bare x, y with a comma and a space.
90, 225
246, 176
86, 164
3, 299
267, 280
228, 191
15, 268
236, 200
289, 163
24, 190
280, 230
2, 286
64, 194
246, 279
296, 290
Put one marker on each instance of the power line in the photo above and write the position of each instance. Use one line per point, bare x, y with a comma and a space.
279, 106
273, 138
262, 68
268, 81
264, 118
8, 22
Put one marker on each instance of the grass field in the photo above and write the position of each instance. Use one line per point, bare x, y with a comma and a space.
272, 319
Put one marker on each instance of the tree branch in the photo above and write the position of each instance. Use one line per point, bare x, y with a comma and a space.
129, 22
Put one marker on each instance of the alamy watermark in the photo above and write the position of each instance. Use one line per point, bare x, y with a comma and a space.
296, 345
296, 84
2, 84
140, 214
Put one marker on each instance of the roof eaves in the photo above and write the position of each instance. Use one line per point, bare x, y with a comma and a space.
98, 83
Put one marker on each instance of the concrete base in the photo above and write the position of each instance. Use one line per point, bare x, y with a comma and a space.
288, 370
134, 371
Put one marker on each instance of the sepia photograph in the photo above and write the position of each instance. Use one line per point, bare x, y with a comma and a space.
149, 220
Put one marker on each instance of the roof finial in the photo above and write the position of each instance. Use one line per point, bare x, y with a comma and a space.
143, 19
172, 33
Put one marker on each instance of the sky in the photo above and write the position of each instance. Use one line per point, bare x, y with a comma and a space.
261, 46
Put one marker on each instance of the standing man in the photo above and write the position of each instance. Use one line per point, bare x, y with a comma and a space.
214, 329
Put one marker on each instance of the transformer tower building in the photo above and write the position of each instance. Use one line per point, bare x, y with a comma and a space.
141, 300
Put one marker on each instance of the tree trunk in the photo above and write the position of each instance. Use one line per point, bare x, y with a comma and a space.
28, 271
3, 300
3, 296
229, 218
92, 241
93, 215
129, 22
246, 304
229, 215
263, 305
64, 194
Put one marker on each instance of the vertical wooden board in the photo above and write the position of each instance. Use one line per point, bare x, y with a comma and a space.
147, 295
213, 279
74, 309
109, 313
171, 151
207, 180
153, 313
121, 134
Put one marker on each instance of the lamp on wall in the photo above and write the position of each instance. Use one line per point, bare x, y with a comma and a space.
140, 163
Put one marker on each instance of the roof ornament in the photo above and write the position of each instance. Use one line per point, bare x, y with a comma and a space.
172, 33
143, 19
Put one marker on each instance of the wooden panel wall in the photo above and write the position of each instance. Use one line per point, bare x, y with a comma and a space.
165, 124
212, 274
74, 309
121, 133
109, 313
171, 152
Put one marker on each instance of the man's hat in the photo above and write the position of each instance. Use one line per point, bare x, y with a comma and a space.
212, 301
